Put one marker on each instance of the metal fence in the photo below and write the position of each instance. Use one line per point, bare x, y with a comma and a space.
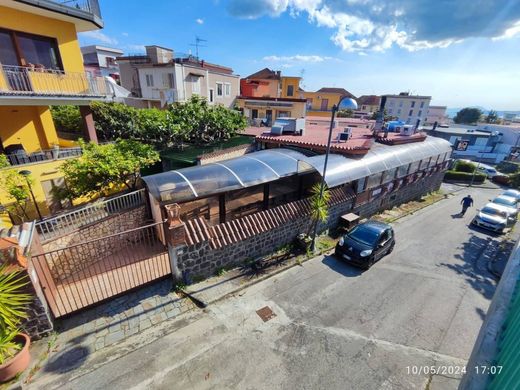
21, 157
21, 80
68, 222
90, 6
73, 281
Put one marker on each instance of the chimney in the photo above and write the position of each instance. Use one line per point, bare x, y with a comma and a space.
159, 55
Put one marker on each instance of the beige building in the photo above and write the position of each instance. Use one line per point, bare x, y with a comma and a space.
158, 78
407, 108
436, 114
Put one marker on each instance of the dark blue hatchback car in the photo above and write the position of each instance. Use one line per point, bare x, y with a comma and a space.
366, 243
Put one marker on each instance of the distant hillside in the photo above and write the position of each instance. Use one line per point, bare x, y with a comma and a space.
451, 112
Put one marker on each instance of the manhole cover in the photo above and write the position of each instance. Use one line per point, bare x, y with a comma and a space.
265, 313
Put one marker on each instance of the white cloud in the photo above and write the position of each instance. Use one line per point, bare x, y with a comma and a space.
99, 37
199, 21
125, 34
377, 25
297, 58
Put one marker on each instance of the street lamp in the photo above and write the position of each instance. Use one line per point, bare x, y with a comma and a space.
345, 103
25, 173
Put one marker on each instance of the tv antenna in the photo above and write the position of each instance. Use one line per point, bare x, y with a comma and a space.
197, 44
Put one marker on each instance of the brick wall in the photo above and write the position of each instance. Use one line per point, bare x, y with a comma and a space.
208, 248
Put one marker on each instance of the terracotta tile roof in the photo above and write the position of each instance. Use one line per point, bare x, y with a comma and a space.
341, 91
197, 230
369, 100
398, 139
265, 74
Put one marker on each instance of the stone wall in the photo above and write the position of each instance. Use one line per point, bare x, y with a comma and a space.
224, 154
209, 248
69, 254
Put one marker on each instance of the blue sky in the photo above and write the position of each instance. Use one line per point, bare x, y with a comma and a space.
461, 52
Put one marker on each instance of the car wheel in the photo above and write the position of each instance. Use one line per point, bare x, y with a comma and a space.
370, 263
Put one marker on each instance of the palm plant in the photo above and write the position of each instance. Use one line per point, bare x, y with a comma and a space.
13, 309
319, 205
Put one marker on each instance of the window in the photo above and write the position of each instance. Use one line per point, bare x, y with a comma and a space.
410, 113
422, 104
195, 84
284, 114
420, 113
227, 89
149, 80
413, 104
309, 104
290, 90
398, 111
211, 95
401, 104
220, 89
171, 80
389, 175
361, 185
34, 50
374, 180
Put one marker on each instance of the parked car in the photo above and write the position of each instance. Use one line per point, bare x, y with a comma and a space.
512, 193
492, 217
506, 201
366, 243
488, 170
511, 210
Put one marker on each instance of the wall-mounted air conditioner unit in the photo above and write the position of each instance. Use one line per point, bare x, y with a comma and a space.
408, 130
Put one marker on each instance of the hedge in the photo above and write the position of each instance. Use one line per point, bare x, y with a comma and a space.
464, 166
508, 167
464, 176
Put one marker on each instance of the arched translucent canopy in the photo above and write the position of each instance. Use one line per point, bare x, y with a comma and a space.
241, 172
341, 170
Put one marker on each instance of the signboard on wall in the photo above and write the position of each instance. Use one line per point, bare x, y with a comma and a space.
461, 145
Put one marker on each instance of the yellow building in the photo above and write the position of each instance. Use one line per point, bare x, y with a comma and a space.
41, 65
320, 103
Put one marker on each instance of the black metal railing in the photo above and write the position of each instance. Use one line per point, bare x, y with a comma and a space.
90, 6
22, 158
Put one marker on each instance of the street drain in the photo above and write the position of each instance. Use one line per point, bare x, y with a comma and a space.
266, 313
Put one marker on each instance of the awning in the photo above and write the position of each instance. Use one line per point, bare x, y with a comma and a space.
341, 170
241, 172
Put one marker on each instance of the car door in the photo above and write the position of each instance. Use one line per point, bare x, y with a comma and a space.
381, 244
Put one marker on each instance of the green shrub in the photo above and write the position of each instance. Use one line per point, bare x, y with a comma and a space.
508, 167
464, 166
465, 176
67, 119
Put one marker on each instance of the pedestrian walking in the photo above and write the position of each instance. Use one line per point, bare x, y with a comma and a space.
466, 202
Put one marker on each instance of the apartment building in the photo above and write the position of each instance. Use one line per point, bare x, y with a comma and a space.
158, 78
407, 108
436, 114
101, 60
320, 103
266, 95
41, 65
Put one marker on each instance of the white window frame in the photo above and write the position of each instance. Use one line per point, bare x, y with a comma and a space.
227, 89
221, 85
195, 85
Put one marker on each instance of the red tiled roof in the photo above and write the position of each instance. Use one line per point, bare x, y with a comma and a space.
197, 230
265, 74
341, 91
369, 100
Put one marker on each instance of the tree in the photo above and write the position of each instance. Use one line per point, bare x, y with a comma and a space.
319, 205
492, 117
200, 123
17, 188
103, 167
468, 116
67, 119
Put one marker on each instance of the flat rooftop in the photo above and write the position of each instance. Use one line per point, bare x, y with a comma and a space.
462, 131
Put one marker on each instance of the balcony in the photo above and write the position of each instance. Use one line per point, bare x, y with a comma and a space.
20, 157
23, 85
85, 14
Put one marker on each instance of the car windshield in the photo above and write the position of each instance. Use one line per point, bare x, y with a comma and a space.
505, 202
364, 235
492, 211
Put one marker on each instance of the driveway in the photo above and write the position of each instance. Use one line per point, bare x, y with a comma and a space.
335, 327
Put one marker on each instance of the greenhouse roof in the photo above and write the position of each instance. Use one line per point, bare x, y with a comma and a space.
241, 172
272, 164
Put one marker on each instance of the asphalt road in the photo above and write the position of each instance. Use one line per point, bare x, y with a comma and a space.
335, 326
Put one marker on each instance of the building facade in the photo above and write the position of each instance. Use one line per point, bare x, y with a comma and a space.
436, 114
101, 60
158, 78
267, 95
320, 103
407, 108
41, 65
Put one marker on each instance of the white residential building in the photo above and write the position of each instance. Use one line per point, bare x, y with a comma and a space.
436, 114
158, 78
407, 108
101, 60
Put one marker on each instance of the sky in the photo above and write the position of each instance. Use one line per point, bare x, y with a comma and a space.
460, 52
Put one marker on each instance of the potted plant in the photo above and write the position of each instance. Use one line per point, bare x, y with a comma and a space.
14, 345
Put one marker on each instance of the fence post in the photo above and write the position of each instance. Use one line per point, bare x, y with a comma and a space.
176, 238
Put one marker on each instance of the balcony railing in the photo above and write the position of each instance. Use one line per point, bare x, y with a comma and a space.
22, 158
90, 6
33, 81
